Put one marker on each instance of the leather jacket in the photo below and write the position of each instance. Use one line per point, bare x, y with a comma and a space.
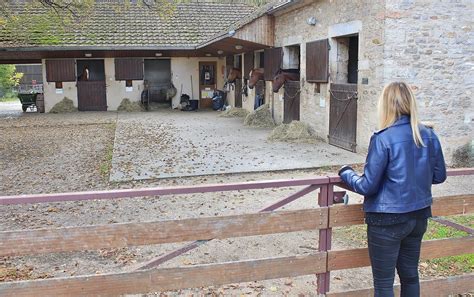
398, 175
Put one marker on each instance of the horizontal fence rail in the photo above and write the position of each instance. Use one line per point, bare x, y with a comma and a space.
201, 230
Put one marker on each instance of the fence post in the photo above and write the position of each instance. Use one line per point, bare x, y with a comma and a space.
325, 199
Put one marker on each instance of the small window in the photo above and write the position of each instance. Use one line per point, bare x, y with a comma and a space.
128, 83
59, 85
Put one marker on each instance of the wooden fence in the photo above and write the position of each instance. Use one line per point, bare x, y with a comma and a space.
266, 221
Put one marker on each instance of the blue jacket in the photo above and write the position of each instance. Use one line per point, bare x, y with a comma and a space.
398, 175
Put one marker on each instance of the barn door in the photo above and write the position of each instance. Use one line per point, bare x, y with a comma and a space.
291, 102
91, 96
238, 93
91, 91
343, 116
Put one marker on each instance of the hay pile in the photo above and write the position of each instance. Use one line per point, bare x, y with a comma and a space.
129, 106
65, 105
464, 156
261, 117
234, 112
295, 131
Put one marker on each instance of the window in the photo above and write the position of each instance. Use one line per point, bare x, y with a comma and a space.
128, 83
347, 48
291, 57
59, 85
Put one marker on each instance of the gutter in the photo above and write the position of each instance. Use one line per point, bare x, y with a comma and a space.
93, 48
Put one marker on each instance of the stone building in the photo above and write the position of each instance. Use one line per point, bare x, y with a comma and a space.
428, 44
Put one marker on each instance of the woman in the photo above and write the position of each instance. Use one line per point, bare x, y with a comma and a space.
405, 158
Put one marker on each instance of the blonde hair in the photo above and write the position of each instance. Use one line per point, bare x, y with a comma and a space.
398, 99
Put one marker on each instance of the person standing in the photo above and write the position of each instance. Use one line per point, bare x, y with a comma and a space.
405, 158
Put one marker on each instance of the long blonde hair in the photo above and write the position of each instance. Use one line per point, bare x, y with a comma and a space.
398, 99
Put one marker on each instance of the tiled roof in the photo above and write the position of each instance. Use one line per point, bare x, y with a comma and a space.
191, 23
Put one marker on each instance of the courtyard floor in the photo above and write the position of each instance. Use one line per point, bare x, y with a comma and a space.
74, 152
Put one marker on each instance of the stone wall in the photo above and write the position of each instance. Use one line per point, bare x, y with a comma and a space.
337, 18
430, 44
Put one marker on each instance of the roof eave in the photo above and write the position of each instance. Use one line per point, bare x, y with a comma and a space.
94, 48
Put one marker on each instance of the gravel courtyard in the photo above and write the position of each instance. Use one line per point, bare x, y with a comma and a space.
69, 152
178, 144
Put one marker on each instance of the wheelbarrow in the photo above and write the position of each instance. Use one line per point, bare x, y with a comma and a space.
27, 100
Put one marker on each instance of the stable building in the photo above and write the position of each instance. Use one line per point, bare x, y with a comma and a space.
117, 53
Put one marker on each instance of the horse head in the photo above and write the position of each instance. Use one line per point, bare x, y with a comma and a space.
255, 75
234, 74
282, 76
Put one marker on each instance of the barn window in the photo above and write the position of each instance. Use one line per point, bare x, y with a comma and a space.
238, 62
248, 64
291, 57
259, 60
129, 69
60, 70
317, 61
273, 62
128, 83
347, 48
58, 85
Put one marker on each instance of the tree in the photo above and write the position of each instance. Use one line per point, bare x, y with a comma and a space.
9, 78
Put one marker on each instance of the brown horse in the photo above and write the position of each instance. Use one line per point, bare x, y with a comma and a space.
255, 75
282, 76
234, 74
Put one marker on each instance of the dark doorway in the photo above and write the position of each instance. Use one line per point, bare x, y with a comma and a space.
207, 83
91, 92
352, 64
158, 79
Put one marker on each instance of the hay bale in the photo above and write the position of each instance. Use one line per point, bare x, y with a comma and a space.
295, 131
130, 106
464, 156
65, 105
234, 112
261, 117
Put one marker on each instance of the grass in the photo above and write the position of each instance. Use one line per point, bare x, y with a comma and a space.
106, 164
356, 236
448, 265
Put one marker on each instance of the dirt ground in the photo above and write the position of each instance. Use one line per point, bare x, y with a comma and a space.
59, 153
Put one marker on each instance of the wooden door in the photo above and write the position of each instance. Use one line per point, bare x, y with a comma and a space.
238, 93
291, 102
207, 83
91, 96
343, 116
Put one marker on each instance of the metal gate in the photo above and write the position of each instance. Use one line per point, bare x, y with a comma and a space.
91, 95
291, 102
343, 116
238, 93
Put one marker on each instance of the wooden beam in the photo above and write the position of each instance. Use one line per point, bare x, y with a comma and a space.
345, 259
435, 287
346, 215
15, 243
453, 205
154, 280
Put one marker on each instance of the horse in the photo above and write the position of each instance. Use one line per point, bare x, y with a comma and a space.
282, 76
255, 75
234, 74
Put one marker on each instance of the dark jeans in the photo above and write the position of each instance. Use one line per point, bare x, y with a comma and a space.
396, 246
